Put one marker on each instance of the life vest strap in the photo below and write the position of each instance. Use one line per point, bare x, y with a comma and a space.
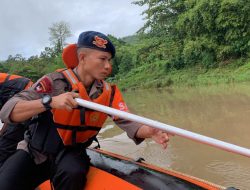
77, 128
82, 115
96, 140
112, 96
86, 144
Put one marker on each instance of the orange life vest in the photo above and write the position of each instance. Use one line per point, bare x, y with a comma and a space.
79, 125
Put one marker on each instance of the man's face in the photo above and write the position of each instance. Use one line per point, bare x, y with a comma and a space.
97, 64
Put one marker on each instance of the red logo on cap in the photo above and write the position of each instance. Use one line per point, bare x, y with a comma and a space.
100, 42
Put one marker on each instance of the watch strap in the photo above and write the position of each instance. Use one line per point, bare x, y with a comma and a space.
47, 104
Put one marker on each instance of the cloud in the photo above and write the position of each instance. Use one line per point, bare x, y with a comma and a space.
24, 24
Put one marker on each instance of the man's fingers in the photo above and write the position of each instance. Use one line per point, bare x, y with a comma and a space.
68, 108
164, 145
75, 95
165, 136
71, 101
164, 139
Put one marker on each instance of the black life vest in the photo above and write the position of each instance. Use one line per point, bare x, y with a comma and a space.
10, 85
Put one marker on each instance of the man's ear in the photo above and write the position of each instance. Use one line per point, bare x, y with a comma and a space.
81, 56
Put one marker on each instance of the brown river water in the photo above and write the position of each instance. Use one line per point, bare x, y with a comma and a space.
220, 112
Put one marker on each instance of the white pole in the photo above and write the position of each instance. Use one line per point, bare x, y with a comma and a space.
168, 128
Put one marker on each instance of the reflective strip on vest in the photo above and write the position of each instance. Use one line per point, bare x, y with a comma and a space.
72, 79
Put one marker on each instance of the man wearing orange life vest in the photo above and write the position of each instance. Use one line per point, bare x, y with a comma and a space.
54, 145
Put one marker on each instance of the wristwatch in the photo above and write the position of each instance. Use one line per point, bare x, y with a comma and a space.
46, 100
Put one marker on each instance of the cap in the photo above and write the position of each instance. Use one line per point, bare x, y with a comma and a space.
96, 40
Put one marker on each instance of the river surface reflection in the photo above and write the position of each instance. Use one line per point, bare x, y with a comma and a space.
221, 112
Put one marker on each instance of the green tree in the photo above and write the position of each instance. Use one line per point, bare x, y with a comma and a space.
48, 52
126, 64
232, 24
202, 32
160, 15
59, 32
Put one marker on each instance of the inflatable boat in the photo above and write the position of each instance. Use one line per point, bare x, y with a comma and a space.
110, 171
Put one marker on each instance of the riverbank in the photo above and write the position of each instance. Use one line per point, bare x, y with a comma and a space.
156, 76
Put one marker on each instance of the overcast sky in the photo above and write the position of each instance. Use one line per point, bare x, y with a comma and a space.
24, 23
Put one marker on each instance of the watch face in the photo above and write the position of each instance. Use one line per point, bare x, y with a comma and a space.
46, 99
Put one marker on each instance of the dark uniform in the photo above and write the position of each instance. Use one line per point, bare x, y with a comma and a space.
66, 168
11, 134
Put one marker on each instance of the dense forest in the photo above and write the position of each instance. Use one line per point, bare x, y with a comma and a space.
182, 43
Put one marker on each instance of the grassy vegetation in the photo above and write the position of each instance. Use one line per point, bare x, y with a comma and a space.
153, 76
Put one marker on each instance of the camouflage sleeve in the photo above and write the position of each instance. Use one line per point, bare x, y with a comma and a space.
129, 126
131, 129
48, 84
